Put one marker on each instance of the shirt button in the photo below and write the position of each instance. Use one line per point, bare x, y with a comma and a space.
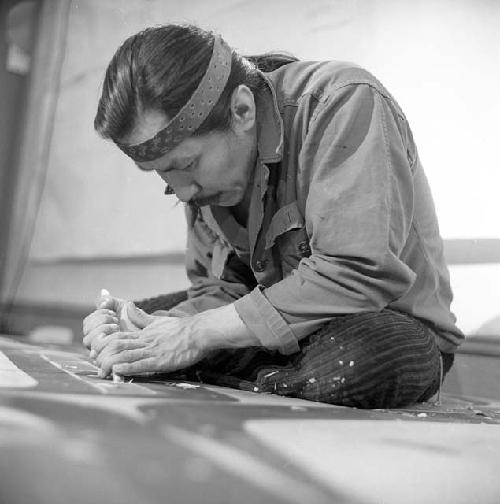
260, 266
304, 248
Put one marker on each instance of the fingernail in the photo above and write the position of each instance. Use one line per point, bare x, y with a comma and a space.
92, 354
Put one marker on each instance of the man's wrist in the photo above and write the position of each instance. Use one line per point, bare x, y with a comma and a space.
223, 328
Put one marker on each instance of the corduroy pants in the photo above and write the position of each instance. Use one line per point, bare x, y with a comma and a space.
384, 359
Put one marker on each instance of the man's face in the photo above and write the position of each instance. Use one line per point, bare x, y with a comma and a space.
211, 169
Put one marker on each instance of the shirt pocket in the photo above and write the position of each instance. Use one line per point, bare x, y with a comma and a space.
287, 232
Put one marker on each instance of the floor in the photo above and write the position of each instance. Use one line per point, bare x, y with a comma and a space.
197, 443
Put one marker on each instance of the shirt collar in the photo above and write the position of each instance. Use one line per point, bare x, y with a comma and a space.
269, 124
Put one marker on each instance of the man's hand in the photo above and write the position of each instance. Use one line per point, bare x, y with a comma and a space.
99, 323
166, 344
110, 316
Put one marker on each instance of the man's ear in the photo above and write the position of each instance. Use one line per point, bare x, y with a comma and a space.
243, 111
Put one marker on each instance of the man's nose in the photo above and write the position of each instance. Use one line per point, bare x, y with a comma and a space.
186, 193
183, 186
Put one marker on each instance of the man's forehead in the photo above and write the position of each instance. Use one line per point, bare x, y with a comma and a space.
171, 158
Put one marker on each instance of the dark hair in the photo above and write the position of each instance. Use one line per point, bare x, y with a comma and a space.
159, 68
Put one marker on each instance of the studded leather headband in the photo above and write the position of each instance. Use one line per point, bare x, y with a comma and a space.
193, 113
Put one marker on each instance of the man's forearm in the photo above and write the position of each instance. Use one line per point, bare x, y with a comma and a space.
223, 328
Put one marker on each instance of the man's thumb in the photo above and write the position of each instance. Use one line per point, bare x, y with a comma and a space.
135, 317
106, 300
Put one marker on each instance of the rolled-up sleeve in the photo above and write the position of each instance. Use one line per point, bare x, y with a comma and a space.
354, 169
262, 318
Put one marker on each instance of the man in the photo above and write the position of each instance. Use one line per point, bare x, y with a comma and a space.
313, 247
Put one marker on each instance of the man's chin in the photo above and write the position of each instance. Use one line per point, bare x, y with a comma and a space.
220, 199
211, 200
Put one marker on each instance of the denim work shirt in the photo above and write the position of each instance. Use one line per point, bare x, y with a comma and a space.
341, 218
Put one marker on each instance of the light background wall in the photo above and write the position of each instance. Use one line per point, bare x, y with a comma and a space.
439, 58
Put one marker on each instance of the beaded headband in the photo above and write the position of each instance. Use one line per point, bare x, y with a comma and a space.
193, 113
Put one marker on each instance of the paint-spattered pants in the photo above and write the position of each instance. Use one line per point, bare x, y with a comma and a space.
381, 359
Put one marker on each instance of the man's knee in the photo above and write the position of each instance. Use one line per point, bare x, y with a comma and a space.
371, 360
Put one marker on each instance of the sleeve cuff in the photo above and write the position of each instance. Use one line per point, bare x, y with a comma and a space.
260, 317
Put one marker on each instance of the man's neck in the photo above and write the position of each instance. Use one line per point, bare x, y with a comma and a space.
240, 213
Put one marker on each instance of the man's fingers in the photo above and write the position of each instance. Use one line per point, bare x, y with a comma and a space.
107, 360
100, 343
146, 366
116, 346
138, 318
101, 340
98, 333
98, 318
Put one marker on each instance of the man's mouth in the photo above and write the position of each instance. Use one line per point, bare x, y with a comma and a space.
208, 200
